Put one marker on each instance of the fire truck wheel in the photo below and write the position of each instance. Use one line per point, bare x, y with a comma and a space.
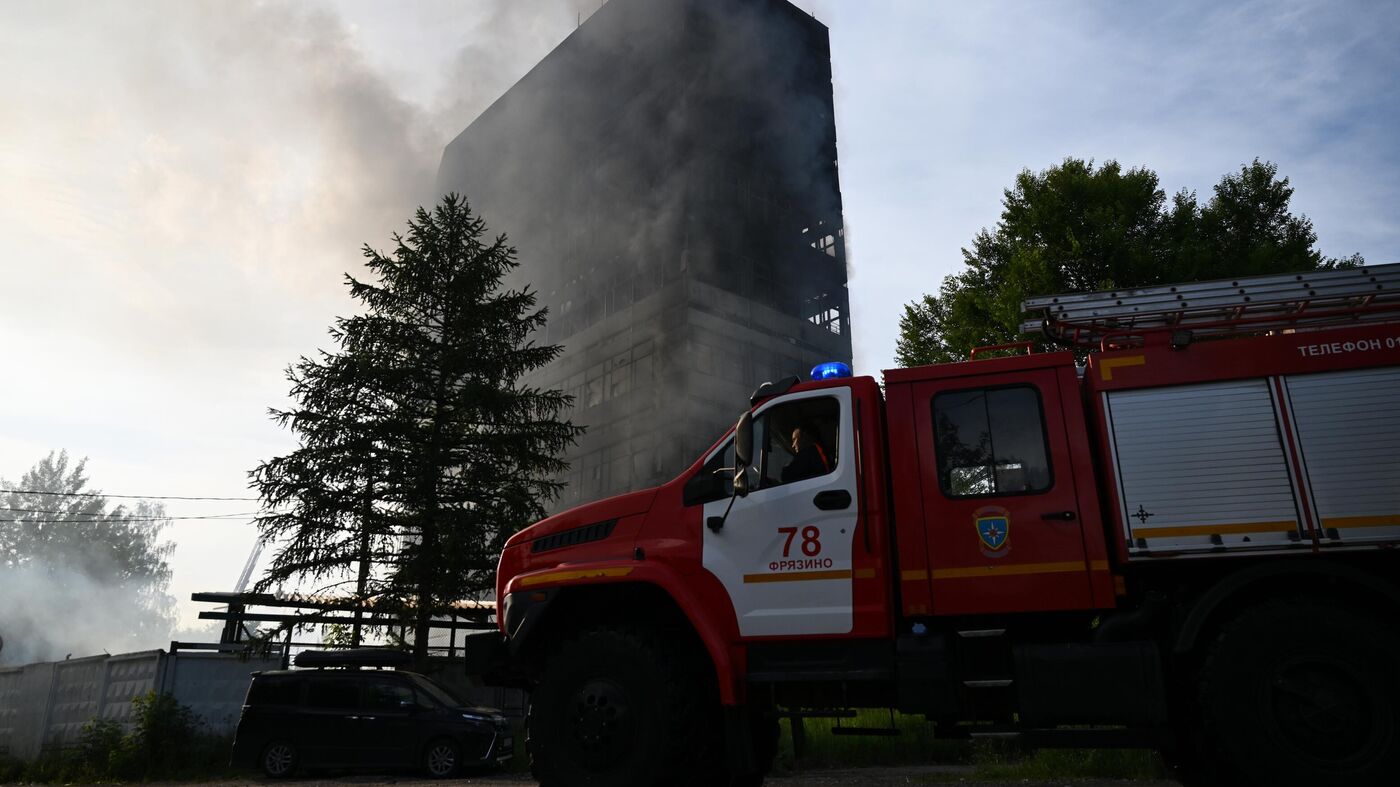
764, 735
765, 750
1303, 695
615, 707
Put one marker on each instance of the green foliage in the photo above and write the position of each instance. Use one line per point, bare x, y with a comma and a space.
98, 742
162, 742
1074, 227
420, 450
336, 635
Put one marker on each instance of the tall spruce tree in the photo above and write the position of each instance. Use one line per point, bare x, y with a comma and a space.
318, 500
418, 436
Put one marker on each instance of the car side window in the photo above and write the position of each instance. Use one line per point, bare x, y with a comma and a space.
991, 441
797, 440
387, 694
269, 690
333, 694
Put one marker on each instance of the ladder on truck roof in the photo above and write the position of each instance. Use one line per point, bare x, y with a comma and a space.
1254, 304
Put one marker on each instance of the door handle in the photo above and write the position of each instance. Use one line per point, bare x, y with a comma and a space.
1058, 516
832, 500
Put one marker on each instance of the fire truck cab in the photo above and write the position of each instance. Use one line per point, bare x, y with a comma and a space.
1185, 542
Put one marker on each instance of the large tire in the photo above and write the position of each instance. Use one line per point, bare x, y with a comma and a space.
765, 735
617, 707
1301, 694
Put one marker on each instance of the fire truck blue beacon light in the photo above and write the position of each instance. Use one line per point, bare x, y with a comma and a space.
830, 370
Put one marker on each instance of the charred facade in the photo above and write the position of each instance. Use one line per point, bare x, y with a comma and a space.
668, 175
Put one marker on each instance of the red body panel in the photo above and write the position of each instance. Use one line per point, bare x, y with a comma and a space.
668, 533
1045, 564
917, 543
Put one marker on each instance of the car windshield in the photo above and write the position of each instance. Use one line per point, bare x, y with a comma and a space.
438, 691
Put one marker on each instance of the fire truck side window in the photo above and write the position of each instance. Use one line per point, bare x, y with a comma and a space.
991, 441
797, 441
721, 466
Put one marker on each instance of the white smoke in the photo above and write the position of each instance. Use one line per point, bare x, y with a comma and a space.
50, 612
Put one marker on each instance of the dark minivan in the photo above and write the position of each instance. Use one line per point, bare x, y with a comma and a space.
344, 716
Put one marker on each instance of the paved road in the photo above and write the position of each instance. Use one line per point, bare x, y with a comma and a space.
863, 777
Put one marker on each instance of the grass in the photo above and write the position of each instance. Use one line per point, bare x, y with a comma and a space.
915, 745
989, 759
1071, 764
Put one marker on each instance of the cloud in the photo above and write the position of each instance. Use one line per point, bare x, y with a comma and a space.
938, 113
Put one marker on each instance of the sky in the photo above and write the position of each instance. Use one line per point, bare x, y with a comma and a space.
183, 184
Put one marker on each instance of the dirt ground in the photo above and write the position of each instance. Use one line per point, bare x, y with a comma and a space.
863, 777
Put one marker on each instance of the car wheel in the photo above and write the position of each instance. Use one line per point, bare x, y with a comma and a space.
279, 759
442, 758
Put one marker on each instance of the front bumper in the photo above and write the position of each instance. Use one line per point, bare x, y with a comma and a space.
494, 657
487, 656
501, 749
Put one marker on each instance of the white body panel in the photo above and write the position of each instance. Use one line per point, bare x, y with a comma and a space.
1348, 426
1207, 467
800, 593
1202, 467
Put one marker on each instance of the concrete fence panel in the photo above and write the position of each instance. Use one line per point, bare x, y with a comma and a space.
213, 685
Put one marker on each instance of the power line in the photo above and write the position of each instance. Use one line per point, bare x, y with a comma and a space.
98, 517
226, 518
122, 497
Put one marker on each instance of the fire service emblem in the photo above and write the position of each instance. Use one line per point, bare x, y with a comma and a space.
993, 528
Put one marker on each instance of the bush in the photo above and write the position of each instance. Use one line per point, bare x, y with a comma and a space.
162, 742
165, 742
98, 741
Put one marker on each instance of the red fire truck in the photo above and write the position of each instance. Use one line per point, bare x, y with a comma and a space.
1181, 535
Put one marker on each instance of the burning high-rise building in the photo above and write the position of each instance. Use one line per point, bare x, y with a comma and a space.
668, 175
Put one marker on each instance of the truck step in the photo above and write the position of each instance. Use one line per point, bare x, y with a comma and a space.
888, 732
1081, 737
820, 675
817, 713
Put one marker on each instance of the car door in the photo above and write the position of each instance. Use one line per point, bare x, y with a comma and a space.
1000, 504
330, 721
784, 551
390, 721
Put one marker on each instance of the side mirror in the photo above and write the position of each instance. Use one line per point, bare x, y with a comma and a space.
743, 453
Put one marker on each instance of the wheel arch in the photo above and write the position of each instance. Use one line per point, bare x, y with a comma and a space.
631, 603
1324, 578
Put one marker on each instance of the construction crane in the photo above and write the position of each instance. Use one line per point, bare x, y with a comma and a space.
247, 573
